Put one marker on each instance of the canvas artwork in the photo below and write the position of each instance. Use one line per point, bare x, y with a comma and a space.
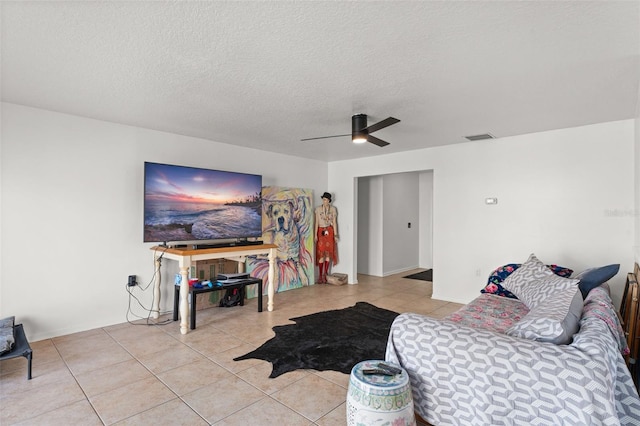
287, 221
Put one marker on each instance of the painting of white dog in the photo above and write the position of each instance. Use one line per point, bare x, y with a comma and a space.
287, 221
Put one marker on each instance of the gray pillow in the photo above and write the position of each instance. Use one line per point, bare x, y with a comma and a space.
7, 339
555, 316
593, 277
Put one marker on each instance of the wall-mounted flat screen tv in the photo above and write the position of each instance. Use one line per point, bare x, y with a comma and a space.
189, 204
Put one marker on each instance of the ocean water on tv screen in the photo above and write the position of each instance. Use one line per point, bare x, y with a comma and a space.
199, 221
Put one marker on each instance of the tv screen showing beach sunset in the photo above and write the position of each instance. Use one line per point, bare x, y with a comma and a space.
188, 204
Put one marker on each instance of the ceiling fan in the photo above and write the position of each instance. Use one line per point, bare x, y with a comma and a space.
361, 133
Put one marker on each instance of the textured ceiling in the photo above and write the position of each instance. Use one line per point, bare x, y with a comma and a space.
267, 74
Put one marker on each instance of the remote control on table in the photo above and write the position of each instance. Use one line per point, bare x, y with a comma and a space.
377, 371
389, 368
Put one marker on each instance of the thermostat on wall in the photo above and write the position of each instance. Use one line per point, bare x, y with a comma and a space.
491, 201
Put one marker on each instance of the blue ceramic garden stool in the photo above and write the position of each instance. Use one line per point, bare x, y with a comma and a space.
375, 399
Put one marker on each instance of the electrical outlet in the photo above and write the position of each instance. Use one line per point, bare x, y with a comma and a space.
132, 281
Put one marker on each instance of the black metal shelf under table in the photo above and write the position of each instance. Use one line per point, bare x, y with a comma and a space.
206, 289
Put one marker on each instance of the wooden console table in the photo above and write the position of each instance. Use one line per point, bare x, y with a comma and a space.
185, 257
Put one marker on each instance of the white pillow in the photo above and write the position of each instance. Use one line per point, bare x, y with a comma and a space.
530, 273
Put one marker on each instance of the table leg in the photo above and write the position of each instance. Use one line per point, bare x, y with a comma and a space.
29, 359
260, 296
193, 311
272, 274
184, 299
176, 301
155, 308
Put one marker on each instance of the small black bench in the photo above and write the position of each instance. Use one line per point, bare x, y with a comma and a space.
21, 348
206, 289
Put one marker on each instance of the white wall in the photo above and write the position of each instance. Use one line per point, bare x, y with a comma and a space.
561, 194
386, 204
370, 226
425, 247
400, 207
71, 210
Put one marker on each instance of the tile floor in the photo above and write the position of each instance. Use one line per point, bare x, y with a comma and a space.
142, 374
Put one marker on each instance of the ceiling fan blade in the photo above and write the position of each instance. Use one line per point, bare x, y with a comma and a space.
324, 137
377, 141
382, 124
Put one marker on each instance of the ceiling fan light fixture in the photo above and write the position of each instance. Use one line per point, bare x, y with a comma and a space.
359, 138
361, 133
358, 123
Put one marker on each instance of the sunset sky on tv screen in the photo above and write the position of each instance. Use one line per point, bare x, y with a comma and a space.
190, 185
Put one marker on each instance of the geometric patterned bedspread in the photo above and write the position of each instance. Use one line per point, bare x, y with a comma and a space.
463, 375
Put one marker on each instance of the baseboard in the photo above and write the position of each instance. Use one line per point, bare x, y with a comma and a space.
400, 271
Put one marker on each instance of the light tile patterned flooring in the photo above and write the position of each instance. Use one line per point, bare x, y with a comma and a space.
139, 374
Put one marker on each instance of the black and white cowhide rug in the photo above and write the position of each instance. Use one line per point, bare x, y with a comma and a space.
330, 340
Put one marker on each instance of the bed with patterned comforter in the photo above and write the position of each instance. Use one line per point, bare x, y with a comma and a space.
465, 371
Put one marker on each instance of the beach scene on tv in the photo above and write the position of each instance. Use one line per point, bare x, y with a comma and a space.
188, 204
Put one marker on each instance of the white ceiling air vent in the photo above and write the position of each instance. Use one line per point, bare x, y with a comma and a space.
480, 137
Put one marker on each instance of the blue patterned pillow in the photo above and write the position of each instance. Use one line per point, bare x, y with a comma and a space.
560, 271
493, 284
